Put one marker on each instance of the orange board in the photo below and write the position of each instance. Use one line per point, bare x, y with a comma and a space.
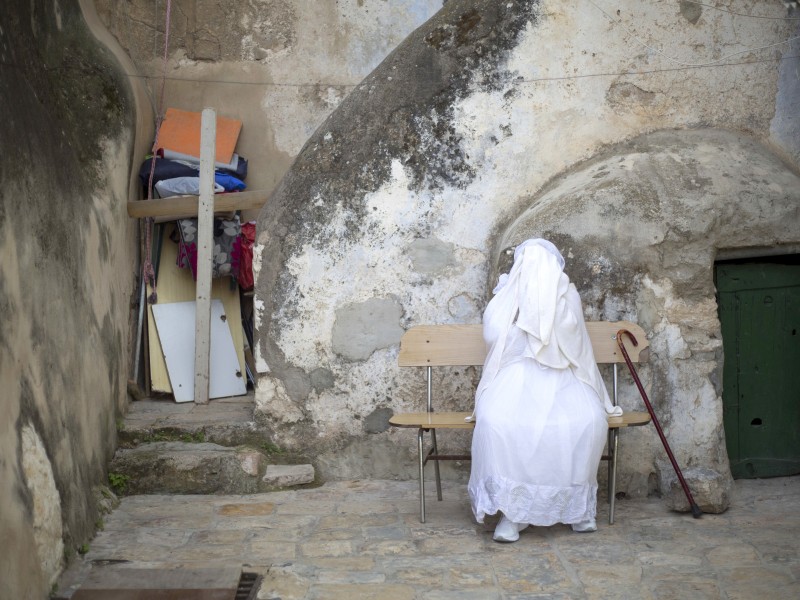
180, 132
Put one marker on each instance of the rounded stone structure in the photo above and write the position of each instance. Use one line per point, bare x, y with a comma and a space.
641, 226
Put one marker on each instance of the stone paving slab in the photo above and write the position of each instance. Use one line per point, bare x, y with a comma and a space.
363, 539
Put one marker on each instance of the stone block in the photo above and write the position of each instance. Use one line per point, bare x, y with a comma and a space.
288, 475
250, 460
710, 489
187, 468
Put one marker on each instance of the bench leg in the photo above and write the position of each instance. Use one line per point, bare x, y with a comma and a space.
420, 436
613, 446
610, 445
436, 466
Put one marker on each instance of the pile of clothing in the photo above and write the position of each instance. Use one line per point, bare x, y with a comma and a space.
176, 174
170, 173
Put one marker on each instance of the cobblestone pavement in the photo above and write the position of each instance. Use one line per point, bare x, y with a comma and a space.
363, 539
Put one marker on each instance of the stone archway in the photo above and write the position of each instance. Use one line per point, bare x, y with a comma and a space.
641, 226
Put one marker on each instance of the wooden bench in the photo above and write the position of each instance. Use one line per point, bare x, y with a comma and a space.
432, 346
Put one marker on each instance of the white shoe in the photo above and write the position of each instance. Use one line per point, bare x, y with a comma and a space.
585, 526
507, 531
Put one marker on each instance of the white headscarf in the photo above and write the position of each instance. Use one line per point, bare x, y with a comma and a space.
533, 296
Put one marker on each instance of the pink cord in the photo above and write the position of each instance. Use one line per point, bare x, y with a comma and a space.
148, 272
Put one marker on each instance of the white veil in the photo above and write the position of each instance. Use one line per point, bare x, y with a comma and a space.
534, 297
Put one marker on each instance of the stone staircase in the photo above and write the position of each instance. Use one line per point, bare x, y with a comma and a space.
187, 448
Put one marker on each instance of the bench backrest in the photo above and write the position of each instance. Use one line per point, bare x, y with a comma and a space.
463, 345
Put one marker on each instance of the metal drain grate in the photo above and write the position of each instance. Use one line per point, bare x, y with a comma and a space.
248, 586
122, 582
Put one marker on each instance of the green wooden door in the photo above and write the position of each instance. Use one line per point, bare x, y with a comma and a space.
759, 308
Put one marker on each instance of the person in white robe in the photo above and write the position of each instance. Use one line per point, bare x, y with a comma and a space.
541, 404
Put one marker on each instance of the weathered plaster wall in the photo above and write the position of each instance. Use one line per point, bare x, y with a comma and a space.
280, 66
393, 213
66, 279
641, 226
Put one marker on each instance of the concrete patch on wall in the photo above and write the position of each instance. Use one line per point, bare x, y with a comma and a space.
691, 11
464, 308
322, 379
47, 530
430, 255
361, 329
378, 420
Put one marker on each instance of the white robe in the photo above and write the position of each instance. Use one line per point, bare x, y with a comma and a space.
541, 404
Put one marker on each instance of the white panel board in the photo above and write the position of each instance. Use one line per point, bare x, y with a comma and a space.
175, 324
176, 285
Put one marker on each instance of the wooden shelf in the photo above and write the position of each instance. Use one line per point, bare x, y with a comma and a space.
185, 207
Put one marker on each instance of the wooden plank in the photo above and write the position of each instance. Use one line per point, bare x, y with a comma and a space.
463, 344
185, 207
432, 420
205, 257
176, 285
604, 341
629, 419
455, 420
442, 345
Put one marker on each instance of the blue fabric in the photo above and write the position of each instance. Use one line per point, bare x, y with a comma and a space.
229, 182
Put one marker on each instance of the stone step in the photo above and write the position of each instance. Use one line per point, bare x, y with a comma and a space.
174, 467
227, 422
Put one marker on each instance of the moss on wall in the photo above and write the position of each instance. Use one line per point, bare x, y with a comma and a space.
66, 275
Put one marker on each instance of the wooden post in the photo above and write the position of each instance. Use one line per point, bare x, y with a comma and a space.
205, 256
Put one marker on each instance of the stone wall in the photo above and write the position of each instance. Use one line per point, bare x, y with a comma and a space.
397, 209
280, 66
66, 284
491, 122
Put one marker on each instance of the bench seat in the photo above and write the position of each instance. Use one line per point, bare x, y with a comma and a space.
432, 346
455, 420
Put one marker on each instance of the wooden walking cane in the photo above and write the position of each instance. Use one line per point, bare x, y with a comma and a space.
696, 512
